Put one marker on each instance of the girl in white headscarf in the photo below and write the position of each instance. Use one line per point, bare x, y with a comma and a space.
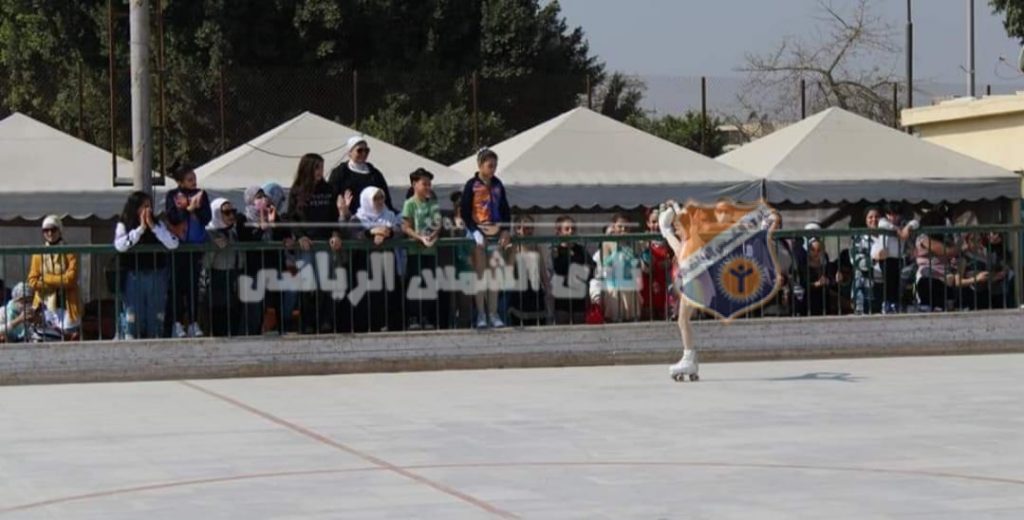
379, 310
375, 217
221, 269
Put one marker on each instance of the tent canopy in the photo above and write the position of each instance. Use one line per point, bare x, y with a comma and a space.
274, 157
584, 159
47, 171
836, 156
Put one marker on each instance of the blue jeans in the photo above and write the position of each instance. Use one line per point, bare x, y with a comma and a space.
143, 304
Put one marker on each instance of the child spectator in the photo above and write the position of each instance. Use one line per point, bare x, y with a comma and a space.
144, 291
528, 302
259, 224
221, 270
868, 280
313, 201
187, 210
571, 270
656, 262
461, 258
377, 223
287, 259
421, 221
486, 212
814, 280
20, 316
618, 262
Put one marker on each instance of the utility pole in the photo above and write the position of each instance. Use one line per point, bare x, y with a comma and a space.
142, 144
910, 56
970, 49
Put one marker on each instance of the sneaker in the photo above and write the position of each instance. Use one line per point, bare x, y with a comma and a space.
194, 331
481, 322
414, 325
496, 321
179, 331
428, 326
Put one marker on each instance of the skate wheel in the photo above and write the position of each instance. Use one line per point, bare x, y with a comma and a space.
694, 377
679, 378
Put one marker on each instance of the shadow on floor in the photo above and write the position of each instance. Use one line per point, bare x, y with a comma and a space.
843, 377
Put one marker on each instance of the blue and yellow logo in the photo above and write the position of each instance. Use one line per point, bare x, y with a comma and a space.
740, 279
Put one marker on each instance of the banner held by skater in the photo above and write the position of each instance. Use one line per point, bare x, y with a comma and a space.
728, 266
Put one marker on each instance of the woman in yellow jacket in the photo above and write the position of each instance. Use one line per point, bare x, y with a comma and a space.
54, 278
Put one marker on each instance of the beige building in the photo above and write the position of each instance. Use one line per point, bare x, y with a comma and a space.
990, 128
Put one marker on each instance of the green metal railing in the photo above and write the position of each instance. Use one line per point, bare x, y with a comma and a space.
262, 288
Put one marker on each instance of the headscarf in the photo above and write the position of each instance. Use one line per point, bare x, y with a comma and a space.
252, 214
22, 290
368, 215
217, 222
53, 263
54, 221
351, 144
275, 193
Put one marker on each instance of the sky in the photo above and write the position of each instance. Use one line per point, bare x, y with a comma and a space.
670, 43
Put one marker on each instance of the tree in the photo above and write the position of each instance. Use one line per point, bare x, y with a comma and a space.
446, 135
851, 64
272, 59
686, 131
1013, 15
620, 96
532, 65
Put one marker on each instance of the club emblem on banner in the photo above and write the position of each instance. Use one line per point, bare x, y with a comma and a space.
729, 266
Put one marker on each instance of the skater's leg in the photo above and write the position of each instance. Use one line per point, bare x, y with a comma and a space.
688, 365
685, 327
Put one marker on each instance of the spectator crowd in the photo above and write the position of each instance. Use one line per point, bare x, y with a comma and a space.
343, 223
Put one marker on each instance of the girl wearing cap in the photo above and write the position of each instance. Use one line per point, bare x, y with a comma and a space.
486, 212
356, 174
54, 279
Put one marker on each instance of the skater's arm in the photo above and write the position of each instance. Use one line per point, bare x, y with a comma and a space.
666, 224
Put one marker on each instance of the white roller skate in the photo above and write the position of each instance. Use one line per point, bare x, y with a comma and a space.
686, 367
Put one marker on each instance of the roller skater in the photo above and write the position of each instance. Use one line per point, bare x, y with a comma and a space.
671, 217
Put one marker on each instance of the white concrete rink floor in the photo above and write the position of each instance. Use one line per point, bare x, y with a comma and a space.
928, 438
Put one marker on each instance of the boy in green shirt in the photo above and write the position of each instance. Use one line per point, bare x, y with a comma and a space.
421, 221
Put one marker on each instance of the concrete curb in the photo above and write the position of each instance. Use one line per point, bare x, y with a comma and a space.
745, 340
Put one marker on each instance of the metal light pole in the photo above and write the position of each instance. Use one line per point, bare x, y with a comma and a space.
910, 56
971, 91
142, 144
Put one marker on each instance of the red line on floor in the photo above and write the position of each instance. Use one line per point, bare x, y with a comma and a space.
352, 451
178, 483
499, 465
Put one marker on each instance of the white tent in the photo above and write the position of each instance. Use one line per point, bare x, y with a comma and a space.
274, 157
835, 156
584, 159
44, 170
